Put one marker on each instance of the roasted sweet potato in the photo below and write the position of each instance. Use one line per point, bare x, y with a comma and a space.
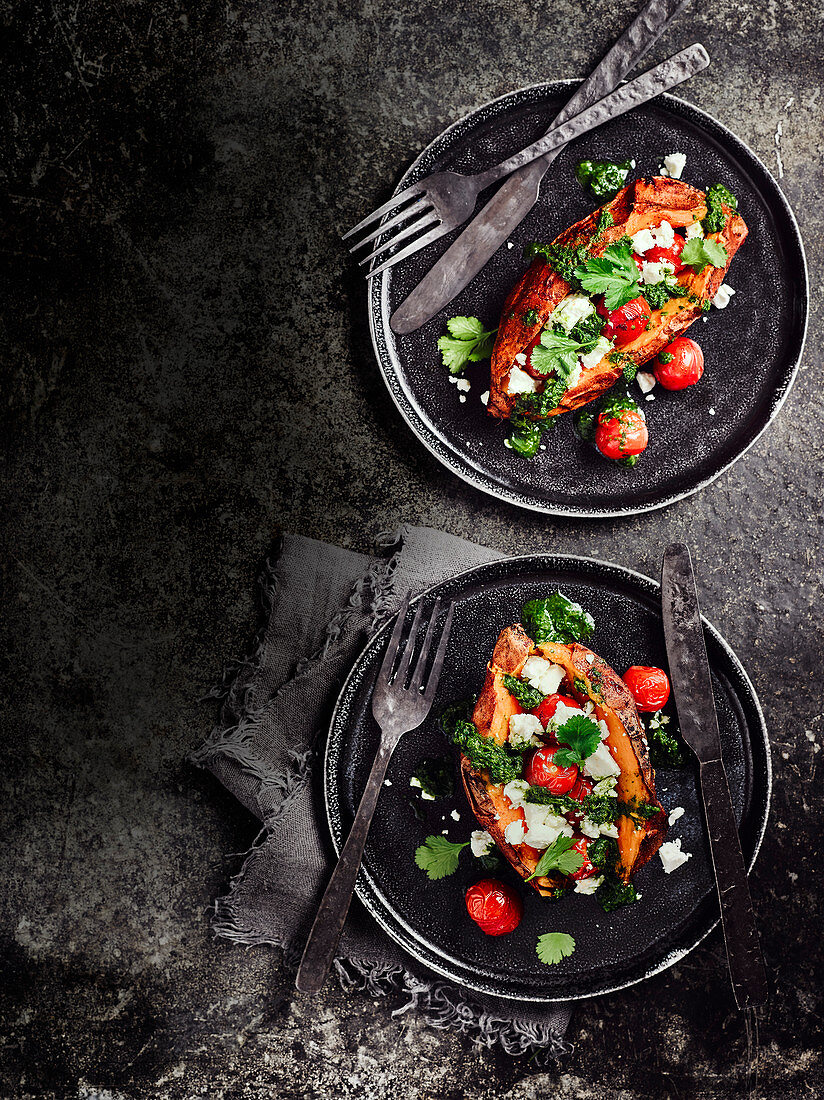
642, 204
587, 677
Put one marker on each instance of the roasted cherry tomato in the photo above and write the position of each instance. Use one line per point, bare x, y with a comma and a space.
620, 435
582, 845
581, 788
545, 711
649, 686
541, 772
669, 255
494, 906
626, 322
684, 368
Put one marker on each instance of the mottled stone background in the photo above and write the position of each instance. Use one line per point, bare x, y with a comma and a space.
186, 366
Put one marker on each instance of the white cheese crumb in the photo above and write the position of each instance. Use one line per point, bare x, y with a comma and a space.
589, 828
642, 241
663, 234
571, 310
594, 357
645, 380
672, 857
524, 730
588, 885
508, 445
455, 815
485, 398
722, 296
480, 843
711, 412
413, 782
679, 811
674, 165
562, 714
590, 657
520, 358
650, 397
462, 398
427, 797
515, 791
510, 244
520, 382
654, 273
609, 830
464, 385
515, 832
604, 728
444, 832
543, 826
606, 787
387, 782
694, 230
542, 674
601, 763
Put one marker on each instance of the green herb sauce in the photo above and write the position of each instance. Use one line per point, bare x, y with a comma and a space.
603, 178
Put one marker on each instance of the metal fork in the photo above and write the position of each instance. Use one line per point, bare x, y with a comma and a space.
444, 200
397, 709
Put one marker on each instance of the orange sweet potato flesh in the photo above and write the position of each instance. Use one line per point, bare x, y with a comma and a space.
637, 843
643, 203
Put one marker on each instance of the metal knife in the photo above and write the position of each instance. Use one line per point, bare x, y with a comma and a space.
515, 198
692, 687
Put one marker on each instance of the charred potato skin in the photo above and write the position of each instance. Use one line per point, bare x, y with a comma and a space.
643, 203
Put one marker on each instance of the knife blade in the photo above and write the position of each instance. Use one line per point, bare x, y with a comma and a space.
698, 721
515, 198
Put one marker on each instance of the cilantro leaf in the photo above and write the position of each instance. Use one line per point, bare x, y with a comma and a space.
582, 736
559, 857
467, 342
698, 252
613, 274
439, 856
554, 346
554, 946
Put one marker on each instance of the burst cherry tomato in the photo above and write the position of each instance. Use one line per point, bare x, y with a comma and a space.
626, 322
649, 686
541, 772
581, 845
581, 788
494, 906
624, 433
545, 711
669, 255
684, 368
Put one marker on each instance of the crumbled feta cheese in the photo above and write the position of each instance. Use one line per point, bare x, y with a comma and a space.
520, 382
462, 398
594, 357
679, 811
588, 885
711, 412
485, 398
464, 385
413, 782
589, 828
542, 674
515, 791
520, 359
694, 230
654, 273
508, 445
650, 397
645, 380
510, 244
722, 296
515, 832
674, 165
543, 826
574, 376
524, 730
609, 830
480, 843
563, 713
571, 310
642, 241
672, 857
601, 763
663, 234
455, 815
589, 658
606, 787
604, 728
425, 795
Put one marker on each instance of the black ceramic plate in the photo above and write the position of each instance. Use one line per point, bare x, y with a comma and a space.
428, 919
752, 348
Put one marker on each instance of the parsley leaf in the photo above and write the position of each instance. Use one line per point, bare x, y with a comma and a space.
613, 274
528, 696
554, 946
467, 342
439, 856
582, 736
559, 857
698, 252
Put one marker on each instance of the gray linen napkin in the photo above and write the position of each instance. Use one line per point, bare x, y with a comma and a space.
319, 603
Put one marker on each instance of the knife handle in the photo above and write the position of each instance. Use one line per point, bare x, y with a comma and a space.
746, 963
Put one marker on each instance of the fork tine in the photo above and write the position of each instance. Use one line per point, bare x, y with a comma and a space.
420, 206
394, 643
403, 664
390, 204
410, 249
422, 222
437, 664
417, 675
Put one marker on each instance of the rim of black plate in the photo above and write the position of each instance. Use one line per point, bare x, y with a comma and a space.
368, 890
378, 298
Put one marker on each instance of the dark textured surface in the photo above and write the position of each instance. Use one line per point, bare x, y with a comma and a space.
186, 364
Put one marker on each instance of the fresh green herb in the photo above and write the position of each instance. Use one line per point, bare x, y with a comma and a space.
613, 274
699, 252
658, 294
580, 685
705, 306
603, 221
455, 713
484, 753
467, 342
436, 777
603, 853
628, 461
665, 747
615, 401
600, 809
530, 317
716, 219
603, 177
525, 438
439, 856
556, 618
491, 862
587, 330
613, 893
556, 353
563, 259
559, 856
638, 811
529, 697
559, 803
554, 946
665, 357
582, 737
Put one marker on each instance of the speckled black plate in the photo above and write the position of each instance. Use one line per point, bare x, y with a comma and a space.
428, 919
752, 348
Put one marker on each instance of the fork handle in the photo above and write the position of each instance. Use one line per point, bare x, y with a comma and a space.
319, 952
